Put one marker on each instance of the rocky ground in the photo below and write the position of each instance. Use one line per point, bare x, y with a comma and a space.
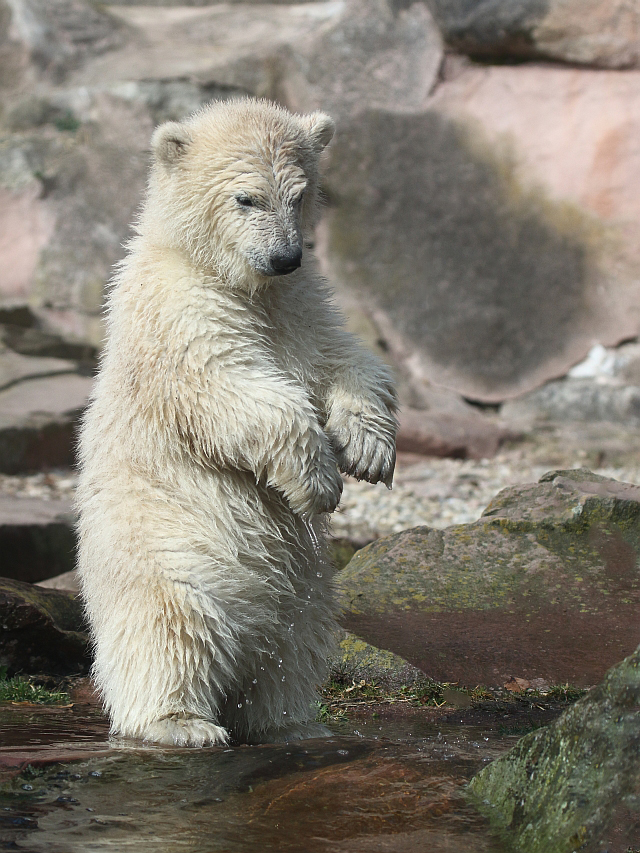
429, 490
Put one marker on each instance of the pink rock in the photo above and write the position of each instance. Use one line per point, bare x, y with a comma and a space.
458, 435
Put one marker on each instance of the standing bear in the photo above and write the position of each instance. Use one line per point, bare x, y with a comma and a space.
228, 401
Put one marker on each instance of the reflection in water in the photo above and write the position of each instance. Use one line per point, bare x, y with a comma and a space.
387, 786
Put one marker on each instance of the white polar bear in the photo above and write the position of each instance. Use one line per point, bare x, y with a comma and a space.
228, 399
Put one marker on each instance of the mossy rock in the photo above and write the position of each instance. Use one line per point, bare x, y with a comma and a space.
568, 784
545, 584
357, 661
41, 630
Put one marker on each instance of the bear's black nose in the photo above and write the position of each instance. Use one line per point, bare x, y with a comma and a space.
286, 262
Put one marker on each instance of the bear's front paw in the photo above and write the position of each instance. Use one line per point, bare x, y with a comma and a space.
318, 492
182, 730
363, 450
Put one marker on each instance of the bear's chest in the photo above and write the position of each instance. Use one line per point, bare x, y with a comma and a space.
293, 345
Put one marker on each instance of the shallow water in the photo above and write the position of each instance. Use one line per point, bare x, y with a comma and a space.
377, 785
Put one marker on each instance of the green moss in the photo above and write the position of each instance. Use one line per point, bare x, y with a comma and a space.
551, 535
559, 786
67, 122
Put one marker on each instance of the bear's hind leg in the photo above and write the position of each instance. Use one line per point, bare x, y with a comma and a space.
164, 661
182, 729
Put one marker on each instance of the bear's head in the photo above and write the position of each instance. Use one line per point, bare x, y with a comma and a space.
236, 186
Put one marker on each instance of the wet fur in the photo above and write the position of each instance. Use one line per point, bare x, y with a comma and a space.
226, 402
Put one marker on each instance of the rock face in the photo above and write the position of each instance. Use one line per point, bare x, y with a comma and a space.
577, 780
41, 630
602, 33
544, 585
479, 255
482, 252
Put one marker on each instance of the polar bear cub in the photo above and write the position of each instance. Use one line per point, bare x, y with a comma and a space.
228, 401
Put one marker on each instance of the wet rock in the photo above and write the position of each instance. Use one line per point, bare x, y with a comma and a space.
350, 794
358, 661
544, 585
563, 787
37, 538
41, 630
602, 33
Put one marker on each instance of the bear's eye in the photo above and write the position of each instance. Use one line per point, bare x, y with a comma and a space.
245, 200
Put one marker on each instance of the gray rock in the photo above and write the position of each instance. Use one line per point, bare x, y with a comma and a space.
468, 435
565, 786
37, 538
21, 332
576, 400
61, 34
41, 630
15, 368
67, 581
544, 585
601, 33
38, 421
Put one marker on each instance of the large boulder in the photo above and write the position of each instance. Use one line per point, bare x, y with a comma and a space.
544, 585
487, 257
41, 630
577, 781
601, 33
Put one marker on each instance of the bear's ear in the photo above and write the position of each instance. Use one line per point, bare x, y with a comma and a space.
170, 142
321, 128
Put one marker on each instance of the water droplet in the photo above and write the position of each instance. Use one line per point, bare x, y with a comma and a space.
279, 661
284, 712
318, 574
283, 678
262, 668
255, 680
239, 704
343, 752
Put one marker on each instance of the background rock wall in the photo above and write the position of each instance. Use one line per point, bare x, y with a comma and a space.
482, 206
